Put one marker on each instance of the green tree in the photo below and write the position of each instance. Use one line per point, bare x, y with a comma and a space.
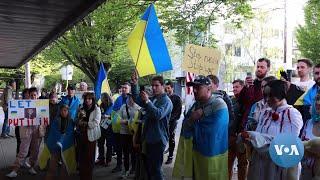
102, 36
308, 36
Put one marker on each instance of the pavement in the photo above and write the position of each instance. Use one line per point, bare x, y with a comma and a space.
8, 153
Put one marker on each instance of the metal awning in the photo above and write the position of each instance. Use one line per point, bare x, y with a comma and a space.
28, 26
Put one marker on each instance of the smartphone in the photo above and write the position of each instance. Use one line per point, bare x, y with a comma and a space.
142, 88
249, 74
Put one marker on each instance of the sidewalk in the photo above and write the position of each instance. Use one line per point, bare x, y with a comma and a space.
8, 153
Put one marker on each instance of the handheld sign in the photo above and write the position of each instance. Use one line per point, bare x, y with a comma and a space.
201, 60
28, 112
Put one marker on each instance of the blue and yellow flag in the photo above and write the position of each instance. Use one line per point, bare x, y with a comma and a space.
203, 146
308, 97
102, 84
147, 46
57, 143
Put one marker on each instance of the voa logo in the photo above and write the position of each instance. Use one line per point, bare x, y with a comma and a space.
283, 149
286, 150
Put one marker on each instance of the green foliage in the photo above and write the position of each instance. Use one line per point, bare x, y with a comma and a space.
308, 36
191, 19
102, 36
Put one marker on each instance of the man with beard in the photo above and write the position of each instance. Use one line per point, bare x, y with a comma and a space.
249, 95
304, 68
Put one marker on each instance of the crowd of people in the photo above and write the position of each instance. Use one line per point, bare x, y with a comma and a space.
139, 127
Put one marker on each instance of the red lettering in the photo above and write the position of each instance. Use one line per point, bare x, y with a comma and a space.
46, 121
10, 122
21, 121
15, 122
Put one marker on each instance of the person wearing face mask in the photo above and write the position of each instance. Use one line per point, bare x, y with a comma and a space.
311, 132
279, 118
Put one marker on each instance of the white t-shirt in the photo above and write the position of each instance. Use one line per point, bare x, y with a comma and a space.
305, 85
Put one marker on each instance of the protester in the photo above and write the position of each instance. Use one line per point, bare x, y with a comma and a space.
235, 126
25, 95
237, 86
128, 112
249, 95
53, 106
61, 129
106, 107
88, 122
8, 94
121, 100
311, 131
214, 87
284, 119
30, 137
304, 69
155, 129
258, 107
205, 131
44, 94
175, 116
72, 101
308, 97
83, 87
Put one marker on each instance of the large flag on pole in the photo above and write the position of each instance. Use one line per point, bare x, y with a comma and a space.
102, 84
147, 46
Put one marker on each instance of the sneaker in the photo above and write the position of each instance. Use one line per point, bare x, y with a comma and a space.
166, 151
10, 135
12, 174
26, 164
125, 174
169, 161
100, 162
4, 136
32, 171
116, 169
60, 163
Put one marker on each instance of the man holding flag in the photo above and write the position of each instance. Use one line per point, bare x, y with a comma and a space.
149, 52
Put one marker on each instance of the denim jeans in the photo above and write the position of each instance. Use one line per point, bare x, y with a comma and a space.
154, 155
5, 126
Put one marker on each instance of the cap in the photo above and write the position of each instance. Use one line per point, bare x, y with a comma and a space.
71, 87
200, 80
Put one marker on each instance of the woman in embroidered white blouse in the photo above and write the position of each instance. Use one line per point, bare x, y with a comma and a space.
280, 118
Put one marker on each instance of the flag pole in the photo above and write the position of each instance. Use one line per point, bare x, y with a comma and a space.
144, 31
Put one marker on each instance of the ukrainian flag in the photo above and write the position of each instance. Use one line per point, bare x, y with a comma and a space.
308, 97
147, 46
57, 143
102, 84
203, 148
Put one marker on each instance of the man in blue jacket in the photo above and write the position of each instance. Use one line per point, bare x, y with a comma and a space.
155, 130
72, 101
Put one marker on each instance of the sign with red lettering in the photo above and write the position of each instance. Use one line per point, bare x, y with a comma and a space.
28, 112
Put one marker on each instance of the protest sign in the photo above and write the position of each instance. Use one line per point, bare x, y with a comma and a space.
28, 112
201, 60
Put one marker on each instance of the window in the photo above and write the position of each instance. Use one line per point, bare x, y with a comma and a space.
237, 51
